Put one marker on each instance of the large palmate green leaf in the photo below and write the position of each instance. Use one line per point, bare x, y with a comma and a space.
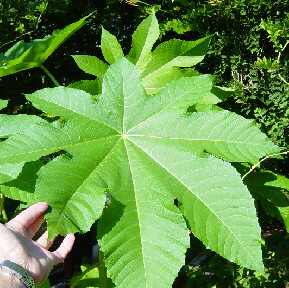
145, 152
24, 56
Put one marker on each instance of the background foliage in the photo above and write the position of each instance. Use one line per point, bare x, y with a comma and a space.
248, 52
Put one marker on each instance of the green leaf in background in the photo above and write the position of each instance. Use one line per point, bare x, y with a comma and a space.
143, 39
90, 279
92, 87
209, 101
110, 47
46, 284
269, 188
3, 104
24, 56
91, 65
167, 59
164, 64
145, 152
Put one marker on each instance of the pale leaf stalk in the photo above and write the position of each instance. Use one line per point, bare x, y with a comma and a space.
50, 75
280, 76
278, 61
279, 55
135, 2
256, 165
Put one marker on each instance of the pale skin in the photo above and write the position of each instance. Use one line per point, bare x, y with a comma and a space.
16, 245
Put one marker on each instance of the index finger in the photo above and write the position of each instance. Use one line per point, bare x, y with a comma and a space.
28, 216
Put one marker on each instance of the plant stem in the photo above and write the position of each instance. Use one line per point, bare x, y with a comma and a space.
279, 55
1, 203
283, 79
102, 271
253, 167
49, 75
75, 282
5, 218
2, 209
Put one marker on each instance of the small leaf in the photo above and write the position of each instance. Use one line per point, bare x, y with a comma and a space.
110, 47
168, 57
91, 65
143, 39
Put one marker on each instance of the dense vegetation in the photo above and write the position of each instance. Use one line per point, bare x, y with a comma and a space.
248, 53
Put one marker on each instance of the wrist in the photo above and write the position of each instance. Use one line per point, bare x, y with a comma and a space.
17, 272
9, 281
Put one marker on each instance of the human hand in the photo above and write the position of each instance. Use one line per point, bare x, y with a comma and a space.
16, 243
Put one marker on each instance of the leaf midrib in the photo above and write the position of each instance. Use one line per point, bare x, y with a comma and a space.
137, 209
196, 139
55, 148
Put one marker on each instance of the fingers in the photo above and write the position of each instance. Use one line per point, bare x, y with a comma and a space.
42, 241
28, 216
34, 227
64, 248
